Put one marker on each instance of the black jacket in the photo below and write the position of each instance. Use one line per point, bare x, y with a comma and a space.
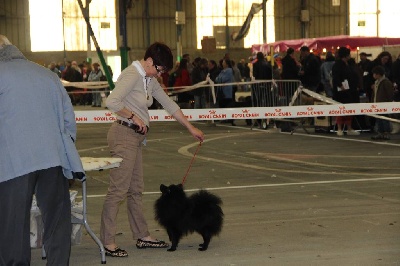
262, 70
341, 72
312, 71
290, 70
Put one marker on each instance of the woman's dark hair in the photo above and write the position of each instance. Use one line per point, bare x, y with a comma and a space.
228, 62
196, 61
213, 63
220, 63
204, 61
161, 55
383, 54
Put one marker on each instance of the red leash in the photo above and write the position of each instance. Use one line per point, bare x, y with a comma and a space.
191, 163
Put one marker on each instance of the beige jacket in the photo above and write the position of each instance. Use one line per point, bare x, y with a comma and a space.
136, 92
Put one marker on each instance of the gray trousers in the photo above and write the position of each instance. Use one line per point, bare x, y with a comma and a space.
126, 182
52, 194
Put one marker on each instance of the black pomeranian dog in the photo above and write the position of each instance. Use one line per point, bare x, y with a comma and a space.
180, 215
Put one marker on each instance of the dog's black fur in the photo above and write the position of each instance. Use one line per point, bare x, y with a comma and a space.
180, 215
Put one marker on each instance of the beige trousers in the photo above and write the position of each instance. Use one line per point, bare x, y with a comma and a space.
126, 182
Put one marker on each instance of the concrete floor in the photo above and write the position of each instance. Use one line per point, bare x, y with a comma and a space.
301, 199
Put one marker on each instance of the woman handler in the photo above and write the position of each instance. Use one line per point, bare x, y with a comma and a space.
133, 94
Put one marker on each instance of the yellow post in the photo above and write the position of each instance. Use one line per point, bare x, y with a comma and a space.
271, 52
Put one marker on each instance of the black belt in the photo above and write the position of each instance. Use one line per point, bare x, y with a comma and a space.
135, 127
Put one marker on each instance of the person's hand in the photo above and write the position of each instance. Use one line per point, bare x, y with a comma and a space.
208, 78
142, 126
197, 134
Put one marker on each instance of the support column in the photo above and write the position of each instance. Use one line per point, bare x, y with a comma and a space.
124, 49
179, 51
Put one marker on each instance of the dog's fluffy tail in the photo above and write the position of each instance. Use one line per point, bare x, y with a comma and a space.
207, 213
205, 197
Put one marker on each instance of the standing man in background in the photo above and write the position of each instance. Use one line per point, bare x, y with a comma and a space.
95, 75
261, 71
310, 74
199, 74
364, 66
261, 68
290, 66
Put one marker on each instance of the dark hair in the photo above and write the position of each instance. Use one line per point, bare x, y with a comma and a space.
203, 61
343, 52
383, 54
213, 63
161, 55
378, 70
196, 61
228, 62
260, 55
304, 49
329, 57
290, 51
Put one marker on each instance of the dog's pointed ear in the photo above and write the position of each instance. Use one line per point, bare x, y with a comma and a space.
163, 188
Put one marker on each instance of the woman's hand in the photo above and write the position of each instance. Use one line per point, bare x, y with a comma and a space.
197, 133
142, 126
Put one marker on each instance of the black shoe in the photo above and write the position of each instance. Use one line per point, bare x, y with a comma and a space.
117, 252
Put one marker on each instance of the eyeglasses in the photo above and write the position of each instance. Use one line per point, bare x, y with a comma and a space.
159, 70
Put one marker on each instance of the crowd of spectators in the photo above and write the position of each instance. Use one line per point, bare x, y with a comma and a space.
82, 72
187, 73
323, 75
338, 76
